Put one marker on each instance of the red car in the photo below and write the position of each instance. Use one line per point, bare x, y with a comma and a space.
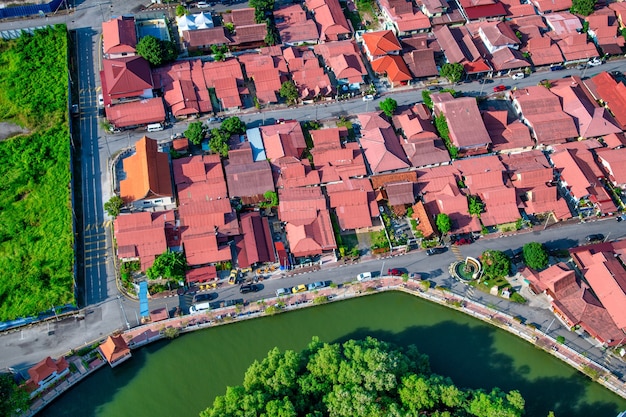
394, 272
463, 241
499, 88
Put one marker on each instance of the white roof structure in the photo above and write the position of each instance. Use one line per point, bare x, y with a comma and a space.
193, 22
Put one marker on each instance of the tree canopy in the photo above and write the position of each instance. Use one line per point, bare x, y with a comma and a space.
475, 205
453, 72
113, 206
233, 126
195, 132
583, 7
444, 224
156, 51
181, 10
388, 106
289, 91
535, 255
12, 398
426, 99
168, 265
495, 264
219, 142
359, 378
261, 8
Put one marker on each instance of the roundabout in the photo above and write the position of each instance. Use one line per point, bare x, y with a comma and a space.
467, 270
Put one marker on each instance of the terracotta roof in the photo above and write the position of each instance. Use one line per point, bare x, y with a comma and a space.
312, 238
541, 109
434, 7
505, 135
300, 205
578, 169
576, 47
421, 63
127, 76
545, 6
241, 17
198, 168
382, 148
329, 16
615, 140
114, 348
202, 274
226, 78
607, 278
354, 203
294, 172
204, 37
294, 26
381, 180
246, 178
381, 42
466, 127
543, 51
508, 59
400, 193
514, 8
458, 46
136, 113
257, 240
343, 59
614, 163
284, 139
46, 367
498, 34
147, 173
613, 94
203, 249
142, 235
119, 35
208, 217
423, 152
394, 67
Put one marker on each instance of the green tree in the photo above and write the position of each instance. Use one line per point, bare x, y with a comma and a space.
289, 92
444, 224
181, 10
427, 100
271, 37
388, 106
453, 72
475, 205
168, 265
219, 142
441, 124
233, 126
195, 132
150, 48
261, 8
12, 398
495, 264
271, 199
583, 7
171, 332
114, 205
535, 255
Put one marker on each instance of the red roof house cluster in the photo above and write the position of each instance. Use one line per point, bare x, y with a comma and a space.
309, 78
45, 373
381, 144
382, 49
332, 23
294, 26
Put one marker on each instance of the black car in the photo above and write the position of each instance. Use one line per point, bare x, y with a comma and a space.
198, 298
435, 251
595, 238
246, 288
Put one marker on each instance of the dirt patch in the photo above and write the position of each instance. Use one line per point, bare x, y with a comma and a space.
8, 130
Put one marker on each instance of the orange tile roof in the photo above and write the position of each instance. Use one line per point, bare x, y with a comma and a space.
46, 367
312, 238
147, 173
395, 68
610, 92
381, 42
114, 348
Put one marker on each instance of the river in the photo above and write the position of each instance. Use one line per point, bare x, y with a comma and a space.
182, 377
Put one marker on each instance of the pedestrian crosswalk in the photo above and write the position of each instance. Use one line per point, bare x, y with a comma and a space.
457, 252
100, 226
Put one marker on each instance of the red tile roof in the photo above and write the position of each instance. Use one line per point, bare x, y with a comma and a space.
201, 38
202, 274
545, 6
400, 193
227, 79
127, 76
119, 35
185, 90
479, 9
142, 235
578, 169
543, 50
208, 217
147, 173
284, 139
294, 26
613, 94
300, 205
354, 203
246, 178
329, 16
381, 145
421, 63
46, 367
256, 245
333, 160
240, 17
504, 135
344, 60
203, 249
467, 130
541, 109
381, 42
312, 238
459, 47
136, 113
614, 163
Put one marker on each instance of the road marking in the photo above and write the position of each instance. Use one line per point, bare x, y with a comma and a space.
457, 252
98, 89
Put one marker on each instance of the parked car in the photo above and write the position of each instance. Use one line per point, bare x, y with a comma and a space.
485, 81
198, 298
299, 288
595, 62
203, 4
234, 276
436, 250
368, 97
499, 88
518, 76
316, 285
556, 67
597, 237
416, 276
434, 88
621, 218
283, 291
100, 100
394, 272
246, 288
75, 110
364, 276
463, 241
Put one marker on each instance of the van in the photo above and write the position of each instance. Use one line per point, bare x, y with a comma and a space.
196, 308
282, 291
155, 127
364, 276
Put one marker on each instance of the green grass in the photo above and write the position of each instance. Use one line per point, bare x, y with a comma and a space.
36, 257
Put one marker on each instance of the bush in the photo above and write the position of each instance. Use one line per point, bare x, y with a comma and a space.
517, 298
560, 339
535, 255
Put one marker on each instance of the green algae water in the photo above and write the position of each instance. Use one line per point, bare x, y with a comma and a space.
182, 377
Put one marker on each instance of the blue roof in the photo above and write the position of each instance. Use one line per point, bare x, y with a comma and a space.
143, 299
256, 143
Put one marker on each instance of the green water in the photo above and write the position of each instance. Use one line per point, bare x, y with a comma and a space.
181, 378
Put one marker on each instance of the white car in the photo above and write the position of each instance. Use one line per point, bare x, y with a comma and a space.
203, 5
595, 62
368, 97
101, 100
518, 76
